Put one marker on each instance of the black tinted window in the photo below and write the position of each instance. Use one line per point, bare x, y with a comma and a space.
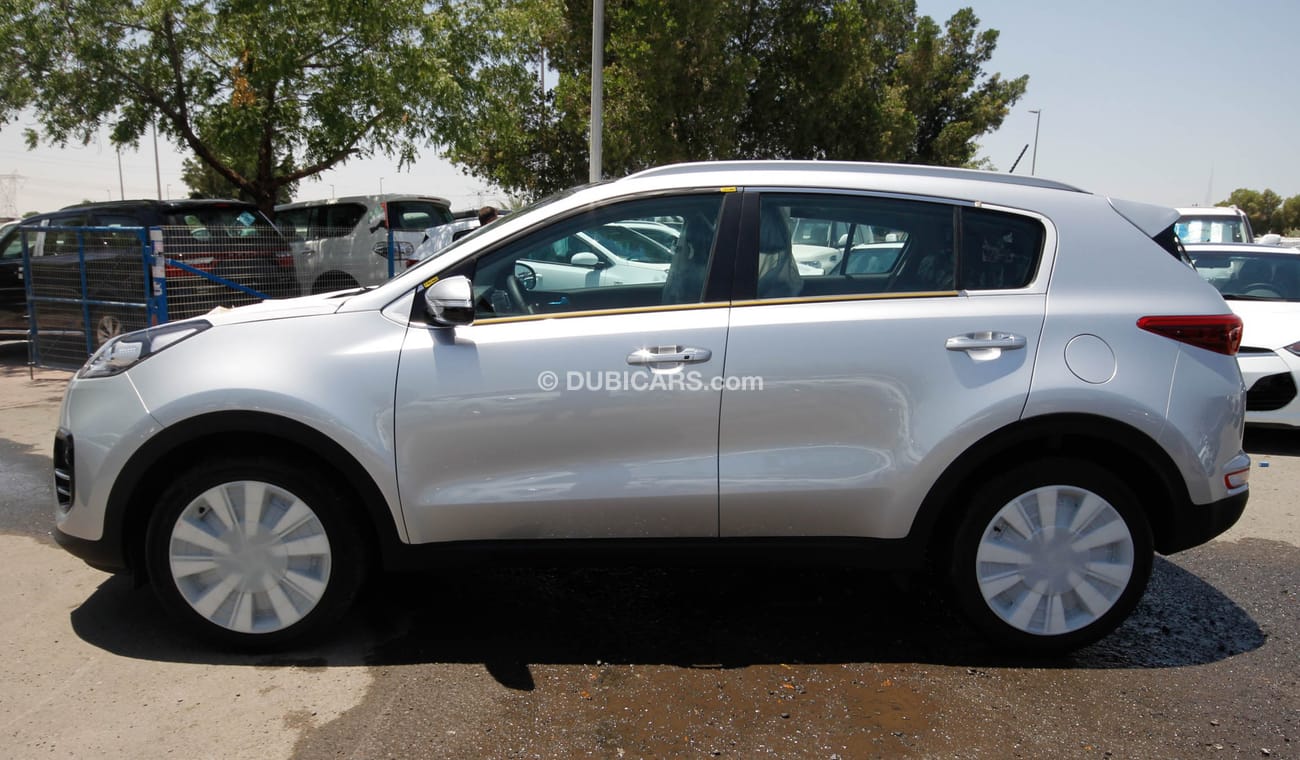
998, 250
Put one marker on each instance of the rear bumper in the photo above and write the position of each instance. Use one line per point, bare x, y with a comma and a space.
1196, 524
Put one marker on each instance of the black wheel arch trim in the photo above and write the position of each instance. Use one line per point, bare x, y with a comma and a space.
1133, 455
131, 497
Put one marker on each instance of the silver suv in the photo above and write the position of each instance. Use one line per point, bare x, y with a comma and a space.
1033, 393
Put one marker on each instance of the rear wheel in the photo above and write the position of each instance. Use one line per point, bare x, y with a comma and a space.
1052, 556
254, 554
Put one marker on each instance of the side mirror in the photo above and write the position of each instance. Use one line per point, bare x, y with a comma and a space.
450, 302
585, 259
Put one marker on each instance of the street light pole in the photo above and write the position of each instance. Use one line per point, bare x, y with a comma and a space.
1038, 118
597, 87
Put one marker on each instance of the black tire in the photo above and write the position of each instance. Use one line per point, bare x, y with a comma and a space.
271, 581
1080, 576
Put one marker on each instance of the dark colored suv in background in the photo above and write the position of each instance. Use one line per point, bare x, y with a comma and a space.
220, 246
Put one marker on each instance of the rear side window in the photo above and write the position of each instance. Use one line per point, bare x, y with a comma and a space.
829, 245
999, 251
228, 221
341, 218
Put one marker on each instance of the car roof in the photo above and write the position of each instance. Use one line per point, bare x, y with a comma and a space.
845, 169
1209, 211
368, 199
166, 205
1240, 248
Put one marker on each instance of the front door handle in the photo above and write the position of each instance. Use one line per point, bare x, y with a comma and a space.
668, 355
984, 346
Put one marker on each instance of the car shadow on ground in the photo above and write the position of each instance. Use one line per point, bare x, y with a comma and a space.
509, 619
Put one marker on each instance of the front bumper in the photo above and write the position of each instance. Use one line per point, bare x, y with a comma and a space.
1271, 379
104, 554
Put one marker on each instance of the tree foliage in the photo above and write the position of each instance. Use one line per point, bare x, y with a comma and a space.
263, 93
715, 79
1266, 210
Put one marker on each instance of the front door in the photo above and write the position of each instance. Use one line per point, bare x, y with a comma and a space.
588, 411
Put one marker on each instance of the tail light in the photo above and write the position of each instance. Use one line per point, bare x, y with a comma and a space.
1220, 333
202, 263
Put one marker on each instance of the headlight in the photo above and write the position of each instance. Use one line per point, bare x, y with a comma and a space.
125, 351
1294, 348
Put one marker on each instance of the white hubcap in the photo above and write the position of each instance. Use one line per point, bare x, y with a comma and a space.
1054, 560
250, 556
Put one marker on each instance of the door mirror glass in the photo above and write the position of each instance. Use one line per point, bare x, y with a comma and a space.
450, 302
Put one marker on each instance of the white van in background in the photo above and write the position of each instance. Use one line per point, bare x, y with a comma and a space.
342, 243
1213, 224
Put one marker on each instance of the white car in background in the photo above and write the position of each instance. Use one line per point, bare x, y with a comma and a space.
1213, 224
611, 254
1261, 283
340, 243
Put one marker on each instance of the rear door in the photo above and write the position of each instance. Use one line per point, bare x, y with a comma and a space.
870, 382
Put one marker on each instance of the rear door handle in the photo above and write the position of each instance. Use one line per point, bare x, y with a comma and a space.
668, 355
985, 346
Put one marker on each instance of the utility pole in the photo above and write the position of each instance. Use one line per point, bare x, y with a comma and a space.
597, 86
157, 172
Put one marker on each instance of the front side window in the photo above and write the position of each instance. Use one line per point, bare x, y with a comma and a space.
12, 242
588, 262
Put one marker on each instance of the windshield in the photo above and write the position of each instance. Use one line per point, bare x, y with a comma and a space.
1212, 229
1250, 275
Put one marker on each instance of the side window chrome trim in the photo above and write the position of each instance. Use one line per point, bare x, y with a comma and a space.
604, 312
850, 297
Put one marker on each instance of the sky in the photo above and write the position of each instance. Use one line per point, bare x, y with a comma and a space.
1175, 103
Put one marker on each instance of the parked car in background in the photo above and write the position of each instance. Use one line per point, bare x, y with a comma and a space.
216, 244
1213, 224
343, 242
438, 238
1262, 285
999, 403
13, 295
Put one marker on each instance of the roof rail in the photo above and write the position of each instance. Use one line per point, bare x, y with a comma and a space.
910, 170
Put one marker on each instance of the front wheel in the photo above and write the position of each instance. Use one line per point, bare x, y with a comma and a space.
1052, 556
254, 554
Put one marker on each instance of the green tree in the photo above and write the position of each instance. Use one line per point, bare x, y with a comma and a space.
1289, 216
1260, 207
717, 79
204, 181
266, 94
